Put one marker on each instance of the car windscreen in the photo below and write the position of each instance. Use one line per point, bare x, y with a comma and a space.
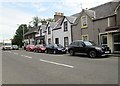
89, 43
58, 45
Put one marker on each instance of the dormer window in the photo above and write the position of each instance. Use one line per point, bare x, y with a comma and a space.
83, 21
65, 26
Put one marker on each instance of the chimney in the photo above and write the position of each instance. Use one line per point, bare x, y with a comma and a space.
58, 15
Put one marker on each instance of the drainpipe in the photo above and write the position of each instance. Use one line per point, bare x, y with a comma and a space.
71, 34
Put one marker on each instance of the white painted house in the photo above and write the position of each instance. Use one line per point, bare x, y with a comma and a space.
49, 34
62, 32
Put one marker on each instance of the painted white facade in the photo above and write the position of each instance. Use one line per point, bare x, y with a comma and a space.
48, 36
59, 33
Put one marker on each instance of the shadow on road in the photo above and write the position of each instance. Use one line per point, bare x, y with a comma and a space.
86, 56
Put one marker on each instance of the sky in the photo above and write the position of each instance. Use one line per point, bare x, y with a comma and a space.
16, 12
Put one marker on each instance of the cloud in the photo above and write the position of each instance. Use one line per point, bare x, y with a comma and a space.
9, 20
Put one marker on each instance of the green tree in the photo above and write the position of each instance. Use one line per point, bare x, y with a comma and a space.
18, 37
36, 21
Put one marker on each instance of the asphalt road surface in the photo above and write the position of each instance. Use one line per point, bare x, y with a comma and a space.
22, 67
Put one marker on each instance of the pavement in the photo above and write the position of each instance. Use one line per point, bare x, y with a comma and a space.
22, 67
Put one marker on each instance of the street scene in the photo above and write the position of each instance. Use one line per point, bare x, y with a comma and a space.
21, 67
59, 42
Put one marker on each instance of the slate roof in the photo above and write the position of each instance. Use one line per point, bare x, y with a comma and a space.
100, 11
32, 30
71, 19
43, 27
105, 9
59, 23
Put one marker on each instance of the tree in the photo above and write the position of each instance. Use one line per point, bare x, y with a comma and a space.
36, 21
18, 37
50, 20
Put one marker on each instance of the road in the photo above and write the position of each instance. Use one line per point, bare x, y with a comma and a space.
22, 67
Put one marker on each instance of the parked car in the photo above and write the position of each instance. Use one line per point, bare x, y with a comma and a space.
88, 47
30, 47
39, 48
55, 48
15, 47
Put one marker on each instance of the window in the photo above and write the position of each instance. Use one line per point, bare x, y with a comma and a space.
104, 40
84, 21
65, 26
49, 41
66, 43
84, 37
56, 40
49, 32
40, 32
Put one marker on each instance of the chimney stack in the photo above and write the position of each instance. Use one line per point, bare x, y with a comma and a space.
58, 15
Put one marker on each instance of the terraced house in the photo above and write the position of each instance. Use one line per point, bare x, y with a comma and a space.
100, 24
60, 32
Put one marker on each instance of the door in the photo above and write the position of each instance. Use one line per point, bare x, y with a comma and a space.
56, 40
81, 47
116, 38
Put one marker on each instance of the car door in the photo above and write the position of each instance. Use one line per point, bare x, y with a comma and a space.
81, 48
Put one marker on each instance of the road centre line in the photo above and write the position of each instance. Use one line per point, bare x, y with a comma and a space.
57, 63
22, 55
28, 57
16, 53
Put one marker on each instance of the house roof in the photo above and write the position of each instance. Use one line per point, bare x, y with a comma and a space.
59, 22
32, 30
98, 12
43, 27
105, 9
71, 19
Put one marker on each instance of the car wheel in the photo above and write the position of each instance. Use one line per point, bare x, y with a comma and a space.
54, 52
39, 51
46, 51
72, 52
92, 54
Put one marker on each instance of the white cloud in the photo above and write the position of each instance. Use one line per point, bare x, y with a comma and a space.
9, 20
38, 6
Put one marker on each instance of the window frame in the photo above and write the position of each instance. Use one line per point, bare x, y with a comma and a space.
82, 22
65, 26
84, 36
66, 43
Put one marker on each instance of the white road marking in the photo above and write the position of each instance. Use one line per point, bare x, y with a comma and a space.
28, 57
57, 63
22, 55
9, 51
16, 53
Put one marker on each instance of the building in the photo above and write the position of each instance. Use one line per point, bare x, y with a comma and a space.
40, 35
29, 37
59, 32
95, 24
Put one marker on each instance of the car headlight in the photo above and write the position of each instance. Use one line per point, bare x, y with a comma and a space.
98, 48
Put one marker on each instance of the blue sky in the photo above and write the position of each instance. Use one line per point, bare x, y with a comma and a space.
16, 12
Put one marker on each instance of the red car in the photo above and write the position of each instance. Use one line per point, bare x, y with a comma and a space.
30, 47
39, 48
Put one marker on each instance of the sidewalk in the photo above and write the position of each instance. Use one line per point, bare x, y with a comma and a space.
116, 55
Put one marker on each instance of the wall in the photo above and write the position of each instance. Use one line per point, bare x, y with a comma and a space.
77, 31
61, 34
118, 16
